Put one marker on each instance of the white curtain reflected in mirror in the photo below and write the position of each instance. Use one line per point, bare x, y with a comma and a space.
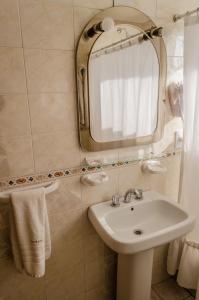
123, 88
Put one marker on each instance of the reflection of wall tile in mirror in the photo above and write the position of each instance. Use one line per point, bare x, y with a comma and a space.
147, 6
82, 16
169, 8
14, 115
12, 75
49, 70
47, 24
16, 156
174, 69
54, 151
53, 112
10, 34
94, 3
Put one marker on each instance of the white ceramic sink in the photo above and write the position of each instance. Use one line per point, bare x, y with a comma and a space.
157, 219
133, 230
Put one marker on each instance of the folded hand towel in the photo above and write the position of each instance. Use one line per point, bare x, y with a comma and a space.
30, 233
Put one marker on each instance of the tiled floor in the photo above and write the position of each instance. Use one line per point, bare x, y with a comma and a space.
169, 290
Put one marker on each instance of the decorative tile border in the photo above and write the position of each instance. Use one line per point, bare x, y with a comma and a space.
13, 182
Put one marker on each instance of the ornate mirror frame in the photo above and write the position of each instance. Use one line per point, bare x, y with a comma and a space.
120, 15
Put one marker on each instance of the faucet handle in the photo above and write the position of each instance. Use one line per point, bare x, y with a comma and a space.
129, 196
115, 200
133, 194
138, 194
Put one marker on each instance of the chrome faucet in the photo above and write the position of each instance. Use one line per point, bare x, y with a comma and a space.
129, 195
133, 194
116, 200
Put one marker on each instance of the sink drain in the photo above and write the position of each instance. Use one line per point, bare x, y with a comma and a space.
138, 231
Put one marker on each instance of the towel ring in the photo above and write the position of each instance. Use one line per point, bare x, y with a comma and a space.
49, 188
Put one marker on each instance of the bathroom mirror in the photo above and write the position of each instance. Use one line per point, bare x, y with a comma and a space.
121, 76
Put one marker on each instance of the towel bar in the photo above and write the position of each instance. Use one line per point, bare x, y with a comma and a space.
49, 188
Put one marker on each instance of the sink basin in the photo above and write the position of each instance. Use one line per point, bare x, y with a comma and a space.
140, 225
133, 230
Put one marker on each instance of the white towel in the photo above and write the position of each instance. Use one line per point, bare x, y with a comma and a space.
30, 232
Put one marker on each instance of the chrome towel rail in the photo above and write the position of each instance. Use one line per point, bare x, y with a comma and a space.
49, 188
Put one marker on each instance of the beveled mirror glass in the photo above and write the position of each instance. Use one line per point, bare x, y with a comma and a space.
121, 81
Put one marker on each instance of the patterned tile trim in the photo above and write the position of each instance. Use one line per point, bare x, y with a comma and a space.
13, 182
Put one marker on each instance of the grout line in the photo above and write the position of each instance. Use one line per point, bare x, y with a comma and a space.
89, 7
156, 8
36, 93
33, 48
163, 280
190, 294
188, 297
157, 294
74, 38
26, 79
49, 49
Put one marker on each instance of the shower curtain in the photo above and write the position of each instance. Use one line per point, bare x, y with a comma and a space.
184, 253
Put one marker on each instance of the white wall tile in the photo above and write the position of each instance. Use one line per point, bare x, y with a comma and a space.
147, 6
14, 115
102, 4
50, 71
10, 33
16, 156
56, 151
53, 112
12, 75
47, 24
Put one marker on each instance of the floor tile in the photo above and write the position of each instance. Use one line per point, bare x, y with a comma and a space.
192, 292
170, 290
154, 296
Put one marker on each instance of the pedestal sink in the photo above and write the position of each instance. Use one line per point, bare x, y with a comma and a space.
133, 230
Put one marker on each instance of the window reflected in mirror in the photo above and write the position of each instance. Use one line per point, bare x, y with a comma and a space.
123, 75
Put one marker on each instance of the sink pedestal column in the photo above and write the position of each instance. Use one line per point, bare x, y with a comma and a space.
134, 276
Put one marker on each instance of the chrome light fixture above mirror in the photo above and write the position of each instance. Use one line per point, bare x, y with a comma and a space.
105, 25
121, 75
